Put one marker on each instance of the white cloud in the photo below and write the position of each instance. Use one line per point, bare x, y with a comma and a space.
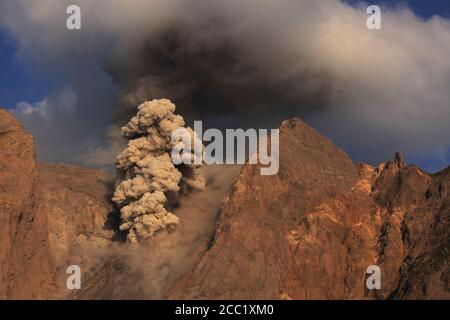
372, 91
64, 102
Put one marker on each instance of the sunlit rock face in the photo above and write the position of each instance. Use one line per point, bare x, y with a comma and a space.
312, 230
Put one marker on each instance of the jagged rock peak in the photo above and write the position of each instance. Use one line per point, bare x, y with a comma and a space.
399, 159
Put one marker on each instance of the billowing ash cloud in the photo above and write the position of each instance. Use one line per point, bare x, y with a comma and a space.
245, 63
150, 177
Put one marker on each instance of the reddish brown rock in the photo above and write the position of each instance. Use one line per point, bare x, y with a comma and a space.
311, 231
251, 256
25, 267
45, 212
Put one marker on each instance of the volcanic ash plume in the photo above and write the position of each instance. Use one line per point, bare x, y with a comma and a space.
151, 181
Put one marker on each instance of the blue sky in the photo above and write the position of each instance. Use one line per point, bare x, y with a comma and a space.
20, 82
424, 8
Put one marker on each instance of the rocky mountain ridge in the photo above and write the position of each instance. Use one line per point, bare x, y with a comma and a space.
308, 232
311, 231
45, 212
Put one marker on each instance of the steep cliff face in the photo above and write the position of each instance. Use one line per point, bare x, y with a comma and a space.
391, 219
45, 212
250, 256
79, 213
311, 231
25, 267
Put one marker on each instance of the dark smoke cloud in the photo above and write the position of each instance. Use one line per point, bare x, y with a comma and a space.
216, 77
239, 63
